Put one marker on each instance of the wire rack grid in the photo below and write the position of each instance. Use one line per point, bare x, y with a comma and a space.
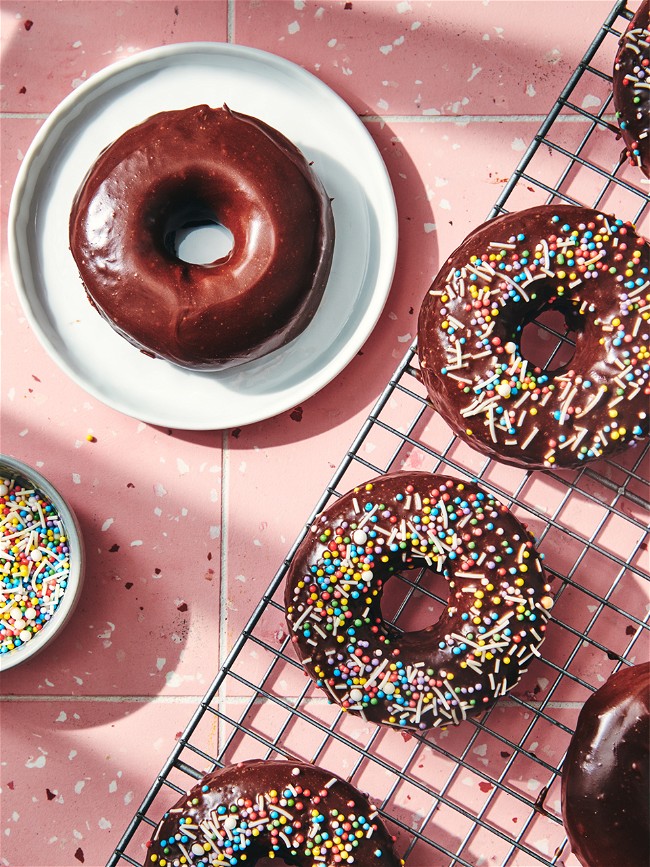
485, 792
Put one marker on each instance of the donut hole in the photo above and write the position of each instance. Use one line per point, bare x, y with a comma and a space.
194, 234
548, 340
415, 599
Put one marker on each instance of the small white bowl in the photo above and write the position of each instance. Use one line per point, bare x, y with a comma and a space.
12, 468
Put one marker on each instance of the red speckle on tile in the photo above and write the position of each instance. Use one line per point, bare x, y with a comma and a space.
209, 555
630, 630
130, 485
29, 24
128, 585
296, 414
236, 432
79, 855
11, 785
50, 794
348, 6
157, 571
484, 786
114, 548
406, 736
209, 575
23, 89
182, 606
504, 755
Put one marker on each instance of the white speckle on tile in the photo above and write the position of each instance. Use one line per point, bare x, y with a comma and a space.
415, 25
172, 679
120, 655
532, 785
542, 846
475, 71
346, 70
319, 12
136, 543
38, 762
77, 834
157, 511
444, 204
62, 717
24, 432
518, 144
455, 146
128, 798
441, 182
77, 680
140, 427
15, 816
214, 495
486, 37
298, 5
104, 824
78, 786
382, 104
553, 56
468, 781
159, 489
591, 101
77, 81
294, 27
533, 746
77, 44
107, 523
71, 755
429, 227
112, 786
241, 578
404, 338
431, 111
530, 90
257, 543
543, 682
332, 43
591, 608
499, 32
402, 7
215, 531
160, 663
398, 41
182, 467
480, 750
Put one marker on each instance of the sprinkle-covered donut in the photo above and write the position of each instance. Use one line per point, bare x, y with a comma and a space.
292, 811
631, 80
591, 267
493, 623
606, 774
199, 166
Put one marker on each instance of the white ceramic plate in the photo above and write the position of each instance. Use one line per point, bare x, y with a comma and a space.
293, 101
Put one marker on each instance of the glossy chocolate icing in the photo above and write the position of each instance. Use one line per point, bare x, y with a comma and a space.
493, 624
631, 82
594, 269
606, 774
183, 166
288, 810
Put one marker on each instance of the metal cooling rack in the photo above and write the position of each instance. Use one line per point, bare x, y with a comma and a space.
488, 790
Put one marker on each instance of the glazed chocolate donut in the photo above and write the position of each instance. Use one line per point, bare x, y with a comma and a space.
591, 267
494, 621
279, 809
192, 167
606, 774
631, 80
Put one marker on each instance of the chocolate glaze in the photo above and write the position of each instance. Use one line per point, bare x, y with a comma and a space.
631, 81
606, 774
191, 165
592, 267
313, 802
493, 624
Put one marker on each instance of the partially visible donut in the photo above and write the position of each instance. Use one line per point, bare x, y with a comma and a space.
293, 811
631, 81
492, 626
606, 774
202, 165
594, 269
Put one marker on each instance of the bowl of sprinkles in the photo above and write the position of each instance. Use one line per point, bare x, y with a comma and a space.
41, 562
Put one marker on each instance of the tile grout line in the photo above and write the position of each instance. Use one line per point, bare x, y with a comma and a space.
223, 560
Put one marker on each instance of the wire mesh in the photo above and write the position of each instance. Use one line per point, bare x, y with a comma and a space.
486, 791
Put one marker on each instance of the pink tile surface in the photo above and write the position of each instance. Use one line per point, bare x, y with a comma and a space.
184, 531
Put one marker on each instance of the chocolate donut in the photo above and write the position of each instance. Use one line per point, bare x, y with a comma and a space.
301, 814
591, 267
631, 80
493, 623
199, 166
606, 774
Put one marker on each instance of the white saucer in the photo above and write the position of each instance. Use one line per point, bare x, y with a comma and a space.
254, 82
